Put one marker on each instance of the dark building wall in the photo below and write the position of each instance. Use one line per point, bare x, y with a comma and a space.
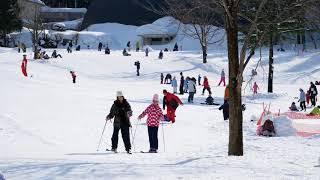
129, 12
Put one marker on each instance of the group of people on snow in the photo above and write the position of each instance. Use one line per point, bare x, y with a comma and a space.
306, 98
121, 112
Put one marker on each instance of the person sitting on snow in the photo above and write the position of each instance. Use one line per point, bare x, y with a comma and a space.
107, 50
293, 107
55, 55
268, 128
125, 53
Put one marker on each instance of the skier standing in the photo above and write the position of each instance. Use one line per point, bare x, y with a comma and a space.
199, 79
147, 52
172, 102
155, 115
121, 112
24, 65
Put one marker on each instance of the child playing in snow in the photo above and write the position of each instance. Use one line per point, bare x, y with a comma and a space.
155, 115
255, 88
308, 97
293, 107
302, 100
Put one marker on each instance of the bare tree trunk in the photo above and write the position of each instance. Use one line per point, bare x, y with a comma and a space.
235, 111
204, 53
270, 74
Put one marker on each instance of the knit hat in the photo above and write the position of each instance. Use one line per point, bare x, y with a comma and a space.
155, 98
119, 93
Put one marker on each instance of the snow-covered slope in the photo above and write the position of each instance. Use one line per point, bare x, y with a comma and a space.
49, 127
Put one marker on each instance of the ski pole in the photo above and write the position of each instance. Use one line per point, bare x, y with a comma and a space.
134, 135
164, 143
102, 135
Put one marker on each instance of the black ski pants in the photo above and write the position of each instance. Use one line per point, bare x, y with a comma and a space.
313, 100
303, 105
153, 137
125, 137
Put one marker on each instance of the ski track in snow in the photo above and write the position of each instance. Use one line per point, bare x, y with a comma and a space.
49, 127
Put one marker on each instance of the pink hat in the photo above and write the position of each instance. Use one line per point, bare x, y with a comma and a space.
155, 98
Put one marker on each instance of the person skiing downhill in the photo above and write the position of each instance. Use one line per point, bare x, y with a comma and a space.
155, 115
24, 65
172, 102
121, 112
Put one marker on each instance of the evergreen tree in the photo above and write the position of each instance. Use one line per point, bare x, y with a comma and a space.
9, 20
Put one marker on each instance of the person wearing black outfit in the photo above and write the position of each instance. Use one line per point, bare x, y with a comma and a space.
313, 93
137, 63
181, 84
99, 46
107, 50
121, 112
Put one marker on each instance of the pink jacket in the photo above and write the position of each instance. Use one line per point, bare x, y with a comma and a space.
154, 113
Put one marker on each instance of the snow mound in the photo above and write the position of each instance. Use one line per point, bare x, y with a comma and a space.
284, 126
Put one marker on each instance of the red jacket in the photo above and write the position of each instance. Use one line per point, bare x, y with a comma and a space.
154, 113
206, 83
169, 98
24, 63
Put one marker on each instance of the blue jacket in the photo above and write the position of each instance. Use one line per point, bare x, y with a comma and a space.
174, 83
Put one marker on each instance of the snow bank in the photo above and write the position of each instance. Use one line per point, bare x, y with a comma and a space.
37, 1
63, 10
284, 126
69, 25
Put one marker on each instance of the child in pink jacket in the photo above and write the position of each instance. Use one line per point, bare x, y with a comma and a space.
255, 88
155, 115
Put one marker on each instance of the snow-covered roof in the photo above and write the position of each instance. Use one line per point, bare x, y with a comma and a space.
63, 10
37, 1
163, 26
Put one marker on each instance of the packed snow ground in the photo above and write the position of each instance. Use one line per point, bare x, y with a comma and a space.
49, 127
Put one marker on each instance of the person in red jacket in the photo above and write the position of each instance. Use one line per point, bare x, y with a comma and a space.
24, 65
206, 85
172, 102
155, 115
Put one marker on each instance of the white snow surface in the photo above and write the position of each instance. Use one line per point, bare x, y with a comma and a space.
49, 127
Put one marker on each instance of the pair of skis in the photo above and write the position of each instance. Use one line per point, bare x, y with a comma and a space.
109, 150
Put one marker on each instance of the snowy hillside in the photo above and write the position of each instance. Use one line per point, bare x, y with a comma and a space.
50, 128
